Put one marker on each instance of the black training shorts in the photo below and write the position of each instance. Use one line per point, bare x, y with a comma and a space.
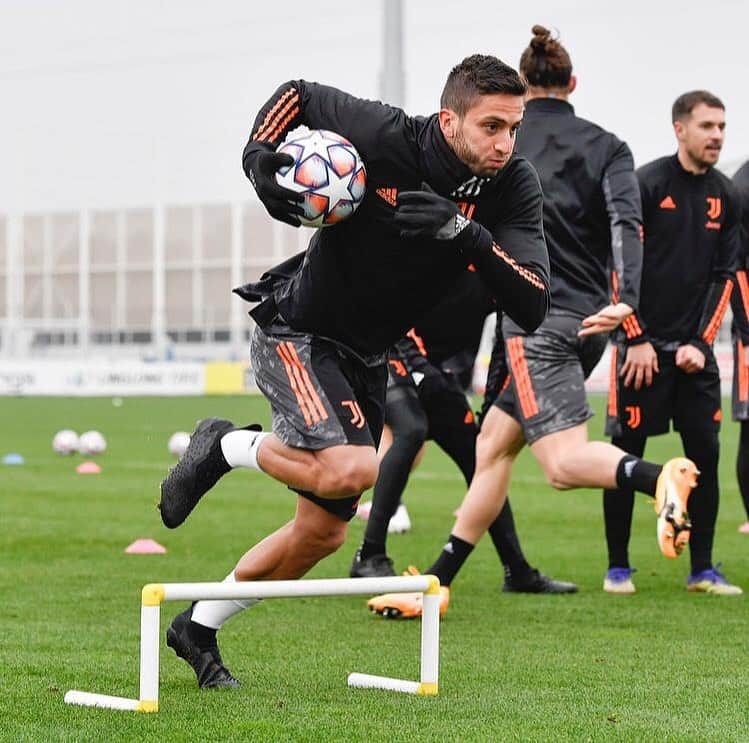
691, 401
548, 369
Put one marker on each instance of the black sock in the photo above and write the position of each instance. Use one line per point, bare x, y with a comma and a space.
369, 548
617, 512
703, 448
453, 555
633, 473
506, 542
742, 465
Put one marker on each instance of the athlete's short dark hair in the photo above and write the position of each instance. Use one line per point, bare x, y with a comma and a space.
685, 103
545, 62
477, 75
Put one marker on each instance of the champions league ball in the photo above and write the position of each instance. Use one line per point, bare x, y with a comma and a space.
65, 442
178, 443
327, 169
91, 442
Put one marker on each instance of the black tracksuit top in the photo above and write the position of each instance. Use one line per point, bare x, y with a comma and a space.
592, 217
691, 249
740, 296
450, 334
363, 285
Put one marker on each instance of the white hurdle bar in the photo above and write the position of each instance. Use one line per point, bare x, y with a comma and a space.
154, 594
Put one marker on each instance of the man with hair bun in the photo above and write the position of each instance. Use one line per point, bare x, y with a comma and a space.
665, 362
592, 224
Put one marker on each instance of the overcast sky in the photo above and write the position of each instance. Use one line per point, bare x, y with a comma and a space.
108, 103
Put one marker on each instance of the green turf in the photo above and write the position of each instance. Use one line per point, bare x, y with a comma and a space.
661, 665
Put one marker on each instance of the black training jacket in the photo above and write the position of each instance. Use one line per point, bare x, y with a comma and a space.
363, 285
449, 336
691, 249
740, 295
591, 207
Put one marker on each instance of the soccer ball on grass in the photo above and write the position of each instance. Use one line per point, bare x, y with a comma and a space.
92, 443
65, 442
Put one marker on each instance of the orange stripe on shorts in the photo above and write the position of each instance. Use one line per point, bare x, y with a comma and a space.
523, 385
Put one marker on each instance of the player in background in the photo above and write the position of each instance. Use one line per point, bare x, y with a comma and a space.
426, 400
665, 369
740, 339
592, 227
324, 325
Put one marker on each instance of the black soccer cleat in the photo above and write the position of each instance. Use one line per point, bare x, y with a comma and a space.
205, 661
199, 469
536, 582
376, 566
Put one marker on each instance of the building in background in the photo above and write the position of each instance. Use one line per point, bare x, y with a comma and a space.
151, 282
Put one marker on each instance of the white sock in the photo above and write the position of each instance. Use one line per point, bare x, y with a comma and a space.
240, 448
215, 613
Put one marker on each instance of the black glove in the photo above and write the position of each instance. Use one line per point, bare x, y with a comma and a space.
281, 203
427, 214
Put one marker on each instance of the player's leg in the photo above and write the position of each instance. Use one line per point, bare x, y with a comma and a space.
740, 412
558, 436
498, 443
452, 426
320, 443
285, 554
408, 425
698, 418
618, 506
742, 470
349, 400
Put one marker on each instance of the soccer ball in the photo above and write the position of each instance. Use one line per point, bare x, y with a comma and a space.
91, 442
327, 169
178, 443
65, 442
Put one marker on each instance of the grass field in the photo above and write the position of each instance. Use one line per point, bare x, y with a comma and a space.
661, 665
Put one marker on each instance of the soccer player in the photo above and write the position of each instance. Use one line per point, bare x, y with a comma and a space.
666, 367
425, 400
443, 192
740, 338
592, 224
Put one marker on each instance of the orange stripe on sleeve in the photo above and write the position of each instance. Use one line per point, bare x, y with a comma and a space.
711, 331
418, 340
744, 289
529, 276
272, 116
743, 373
614, 287
280, 128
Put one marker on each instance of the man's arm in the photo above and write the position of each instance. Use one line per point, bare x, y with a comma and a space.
513, 259
718, 294
367, 124
740, 295
622, 197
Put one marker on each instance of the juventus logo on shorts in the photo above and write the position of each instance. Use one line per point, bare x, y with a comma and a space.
357, 417
634, 416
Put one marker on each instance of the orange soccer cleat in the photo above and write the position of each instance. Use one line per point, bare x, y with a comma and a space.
675, 483
405, 605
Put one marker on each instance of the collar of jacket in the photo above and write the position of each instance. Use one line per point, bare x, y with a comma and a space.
443, 170
681, 171
550, 106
